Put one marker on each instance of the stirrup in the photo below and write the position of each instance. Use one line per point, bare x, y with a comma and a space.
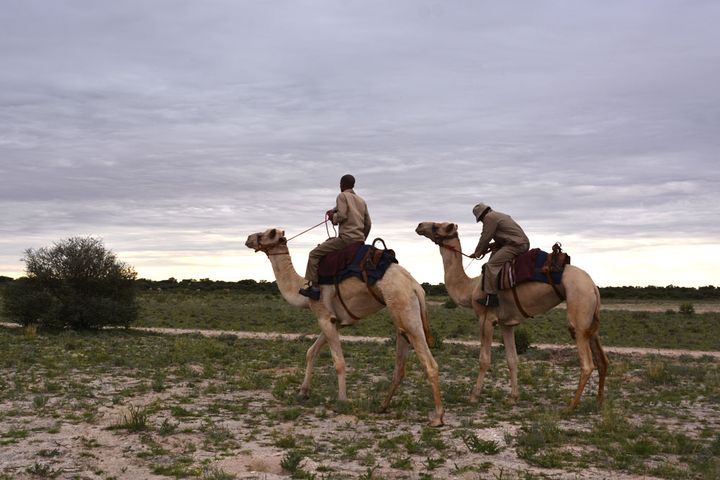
491, 300
310, 292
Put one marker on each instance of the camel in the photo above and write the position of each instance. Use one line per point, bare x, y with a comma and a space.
403, 295
581, 296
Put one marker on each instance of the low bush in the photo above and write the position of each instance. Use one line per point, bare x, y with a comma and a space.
75, 284
523, 340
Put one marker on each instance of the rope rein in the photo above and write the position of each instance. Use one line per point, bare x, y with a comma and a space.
314, 226
266, 250
453, 249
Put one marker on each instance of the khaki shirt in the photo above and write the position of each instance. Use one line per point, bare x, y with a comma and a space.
352, 215
503, 229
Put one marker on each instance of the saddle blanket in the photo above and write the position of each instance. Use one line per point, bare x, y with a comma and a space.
533, 265
355, 260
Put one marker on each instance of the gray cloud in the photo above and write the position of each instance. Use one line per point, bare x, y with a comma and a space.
188, 120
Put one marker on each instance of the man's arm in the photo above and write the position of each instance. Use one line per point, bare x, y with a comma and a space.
367, 224
341, 210
485, 239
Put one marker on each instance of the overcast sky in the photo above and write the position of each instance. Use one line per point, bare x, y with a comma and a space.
174, 129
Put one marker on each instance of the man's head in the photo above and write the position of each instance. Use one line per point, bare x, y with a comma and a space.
480, 210
347, 182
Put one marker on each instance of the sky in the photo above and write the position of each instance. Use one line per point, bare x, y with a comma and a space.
174, 129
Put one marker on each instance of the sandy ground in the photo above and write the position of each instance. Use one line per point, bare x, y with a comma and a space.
91, 451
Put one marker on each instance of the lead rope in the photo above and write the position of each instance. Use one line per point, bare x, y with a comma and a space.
472, 259
314, 226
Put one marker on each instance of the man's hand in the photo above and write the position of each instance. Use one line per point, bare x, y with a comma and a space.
329, 213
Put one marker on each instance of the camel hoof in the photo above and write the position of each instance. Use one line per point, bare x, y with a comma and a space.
383, 408
512, 401
436, 420
474, 397
303, 393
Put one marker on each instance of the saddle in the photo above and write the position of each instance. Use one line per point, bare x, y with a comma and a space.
366, 262
534, 265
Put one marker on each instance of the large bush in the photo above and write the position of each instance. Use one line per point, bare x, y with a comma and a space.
75, 284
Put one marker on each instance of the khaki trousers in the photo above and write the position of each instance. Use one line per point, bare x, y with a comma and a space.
328, 246
497, 260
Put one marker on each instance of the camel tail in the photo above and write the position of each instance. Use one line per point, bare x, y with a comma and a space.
595, 325
420, 294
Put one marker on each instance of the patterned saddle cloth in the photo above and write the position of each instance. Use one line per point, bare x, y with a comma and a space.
363, 261
534, 265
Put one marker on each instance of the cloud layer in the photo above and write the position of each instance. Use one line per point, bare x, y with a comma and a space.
175, 128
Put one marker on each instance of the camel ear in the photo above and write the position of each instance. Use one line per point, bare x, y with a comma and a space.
273, 232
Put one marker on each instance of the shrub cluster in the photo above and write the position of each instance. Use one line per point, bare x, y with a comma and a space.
75, 284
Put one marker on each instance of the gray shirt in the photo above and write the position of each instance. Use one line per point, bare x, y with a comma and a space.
501, 228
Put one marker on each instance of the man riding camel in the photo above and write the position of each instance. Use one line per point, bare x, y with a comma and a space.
351, 214
510, 241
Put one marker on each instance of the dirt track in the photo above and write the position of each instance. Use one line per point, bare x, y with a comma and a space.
354, 338
472, 343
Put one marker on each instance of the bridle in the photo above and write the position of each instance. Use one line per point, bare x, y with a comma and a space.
266, 248
440, 239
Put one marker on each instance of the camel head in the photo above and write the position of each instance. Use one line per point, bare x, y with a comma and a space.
267, 240
437, 232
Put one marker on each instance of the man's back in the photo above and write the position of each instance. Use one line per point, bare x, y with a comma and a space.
352, 216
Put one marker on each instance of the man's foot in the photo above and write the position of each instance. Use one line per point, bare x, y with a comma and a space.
490, 301
311, 292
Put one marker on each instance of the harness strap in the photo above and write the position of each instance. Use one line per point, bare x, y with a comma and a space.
552, 262
342, 302
553, 285
364, 273
517, 302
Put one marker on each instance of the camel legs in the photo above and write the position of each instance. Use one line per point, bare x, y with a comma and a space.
402, 349
586, 366
486, 334
329, 331
310, 358
512, 361
406, 313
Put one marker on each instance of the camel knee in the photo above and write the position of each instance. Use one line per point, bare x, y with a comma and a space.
485, 364
586, 371
310, 356
571, 329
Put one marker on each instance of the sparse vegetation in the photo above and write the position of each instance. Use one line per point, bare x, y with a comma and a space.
206, 399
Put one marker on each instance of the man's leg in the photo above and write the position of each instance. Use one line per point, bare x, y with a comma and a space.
491, 272
312, 289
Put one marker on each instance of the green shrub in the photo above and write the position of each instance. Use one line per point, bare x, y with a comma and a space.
687, 309
523, 340
450, 303
75, 284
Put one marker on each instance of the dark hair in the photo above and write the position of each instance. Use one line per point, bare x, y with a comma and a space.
347, 181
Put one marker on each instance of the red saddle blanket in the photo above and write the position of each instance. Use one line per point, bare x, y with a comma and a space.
534, 265
335, 262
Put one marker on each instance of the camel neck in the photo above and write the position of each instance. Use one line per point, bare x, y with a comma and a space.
288, 280
459, 285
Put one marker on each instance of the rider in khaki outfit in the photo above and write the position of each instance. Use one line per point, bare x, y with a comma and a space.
510, 241
351, 214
